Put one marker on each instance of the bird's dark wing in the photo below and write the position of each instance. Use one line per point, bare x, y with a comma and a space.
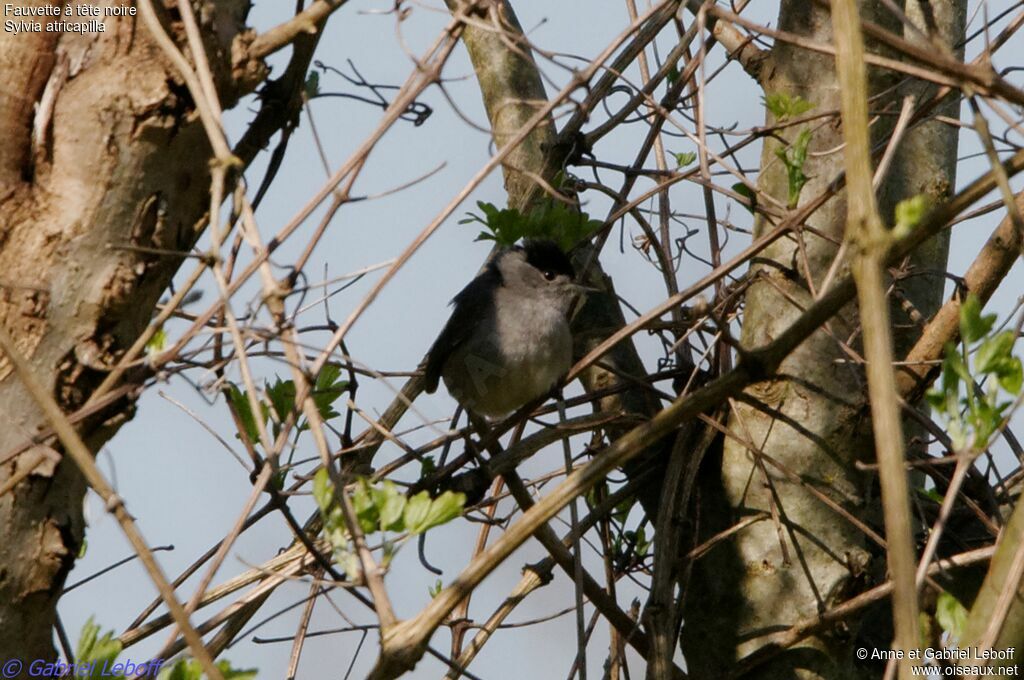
470, 304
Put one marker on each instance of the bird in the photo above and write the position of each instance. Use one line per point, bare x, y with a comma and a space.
508, 339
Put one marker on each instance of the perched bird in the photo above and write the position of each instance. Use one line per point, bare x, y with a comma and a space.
508, 340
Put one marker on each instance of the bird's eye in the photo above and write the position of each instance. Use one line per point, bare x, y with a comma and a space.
549, 275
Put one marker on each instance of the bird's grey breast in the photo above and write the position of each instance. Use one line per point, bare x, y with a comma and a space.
534, 338
518, 352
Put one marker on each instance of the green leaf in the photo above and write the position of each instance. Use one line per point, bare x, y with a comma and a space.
549, 219
443, 509
992, 351
747, 193
427, 467
951, 615
622, 509
673, 74
183, 669
156, 343
974, 326
99, 650
642, 544
282, 400
390, 510
985, 418
909, 214
365, 506
323, 490
312, 84
231, 673
435, 589
954, 370
793, 157
416, 510
1010, 375
936, 399
328, 389
783, 106
241, 406
87, 639
684, 158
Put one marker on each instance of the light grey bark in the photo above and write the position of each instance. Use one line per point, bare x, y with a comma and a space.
812, 419
102, 150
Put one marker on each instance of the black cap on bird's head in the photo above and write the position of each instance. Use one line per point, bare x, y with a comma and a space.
546, 256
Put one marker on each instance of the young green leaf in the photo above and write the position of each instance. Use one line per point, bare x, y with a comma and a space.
992, 351
684, 158
350, 563
312, 85
328, 389
909, 214
95, 649
240, 402
793, 157
156, 343
783, 106
231, 673
416, 510
282, 400
323, 490
183, 669
954, 369
974, 326
951, 615
746, 192
390, 510
427, 467
550, 219
441, 510
673, 74
365, 506
1008, 371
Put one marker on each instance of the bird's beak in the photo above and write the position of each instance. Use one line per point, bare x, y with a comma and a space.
580, 289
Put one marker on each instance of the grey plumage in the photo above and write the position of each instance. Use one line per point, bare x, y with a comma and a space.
508, 339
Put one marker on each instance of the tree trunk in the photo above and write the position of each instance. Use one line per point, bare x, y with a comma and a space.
103, 152
812, 419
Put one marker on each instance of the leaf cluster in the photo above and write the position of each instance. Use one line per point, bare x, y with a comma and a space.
793, 158
784, 106
909, 214
549, 219
382, 508
278, 401
974, 378
100, 652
